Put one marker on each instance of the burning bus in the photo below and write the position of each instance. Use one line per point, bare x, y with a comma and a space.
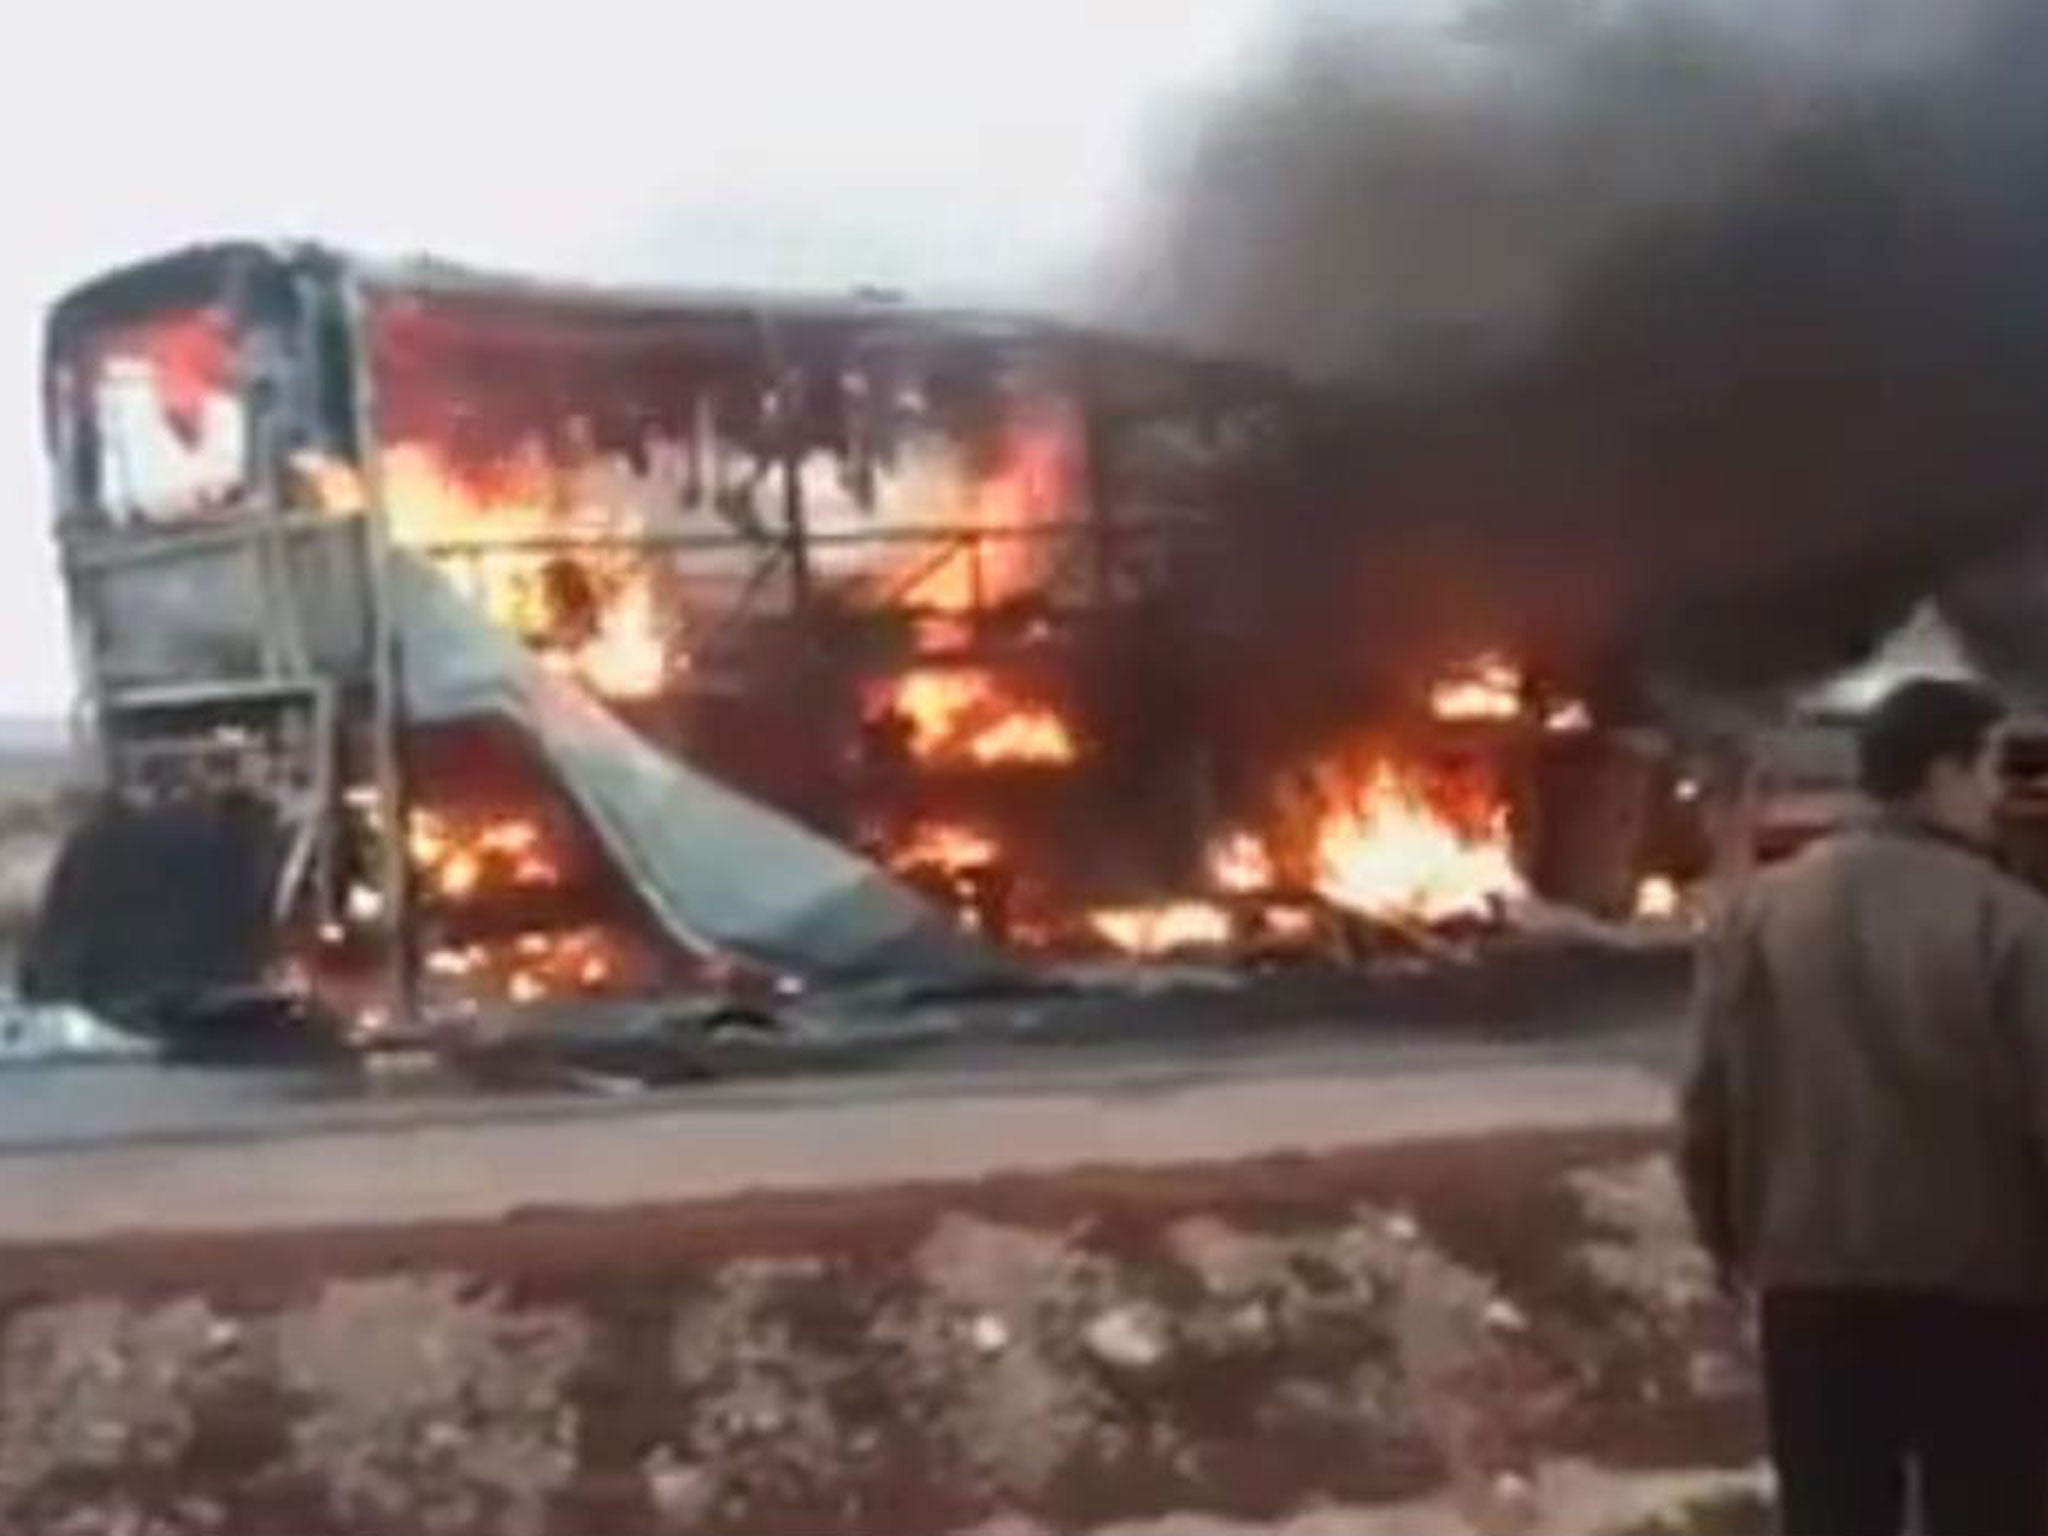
444, 576
453, 641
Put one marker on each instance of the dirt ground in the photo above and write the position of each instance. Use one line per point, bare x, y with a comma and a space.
1506, 1333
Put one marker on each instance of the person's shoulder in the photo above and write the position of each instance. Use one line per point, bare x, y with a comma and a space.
1823, 860
1926, 853
2019, 901
1853, 861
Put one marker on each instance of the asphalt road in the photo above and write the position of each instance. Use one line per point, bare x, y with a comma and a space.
82, 1106
377, 1165
1177, 1078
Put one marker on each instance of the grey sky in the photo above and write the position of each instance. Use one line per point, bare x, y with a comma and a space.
944, 147
970, 148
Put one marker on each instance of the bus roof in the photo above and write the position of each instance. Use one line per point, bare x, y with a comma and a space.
1130, 370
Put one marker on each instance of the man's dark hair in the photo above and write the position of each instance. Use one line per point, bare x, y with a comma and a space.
1918, 724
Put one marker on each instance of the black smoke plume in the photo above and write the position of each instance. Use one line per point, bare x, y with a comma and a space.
1706, 338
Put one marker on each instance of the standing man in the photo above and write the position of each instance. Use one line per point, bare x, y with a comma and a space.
1865, 1142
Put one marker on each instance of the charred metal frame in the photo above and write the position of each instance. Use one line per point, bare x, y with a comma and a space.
791, 552
387, 691
316, 699
266, 523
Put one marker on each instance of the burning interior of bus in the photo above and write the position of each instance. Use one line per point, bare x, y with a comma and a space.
919, 610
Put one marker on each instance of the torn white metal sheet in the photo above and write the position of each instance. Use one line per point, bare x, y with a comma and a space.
721, 872
1926, 645
36, 1033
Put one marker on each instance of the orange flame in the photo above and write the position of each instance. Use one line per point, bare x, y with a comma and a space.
1491, 687
1658, 899
1029, 735
945, 846
335, 486
1162, 929
994, 559
509, 531
1488, 688
626, 658
952, 861
1241, 863
589, 611
1568, 717
963, 714
532, 967
456, 862
1393, 842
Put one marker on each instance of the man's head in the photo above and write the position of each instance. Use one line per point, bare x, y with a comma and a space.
1931, 747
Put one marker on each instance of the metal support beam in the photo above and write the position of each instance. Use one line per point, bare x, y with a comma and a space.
1099, 489
796, 532
387, 665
